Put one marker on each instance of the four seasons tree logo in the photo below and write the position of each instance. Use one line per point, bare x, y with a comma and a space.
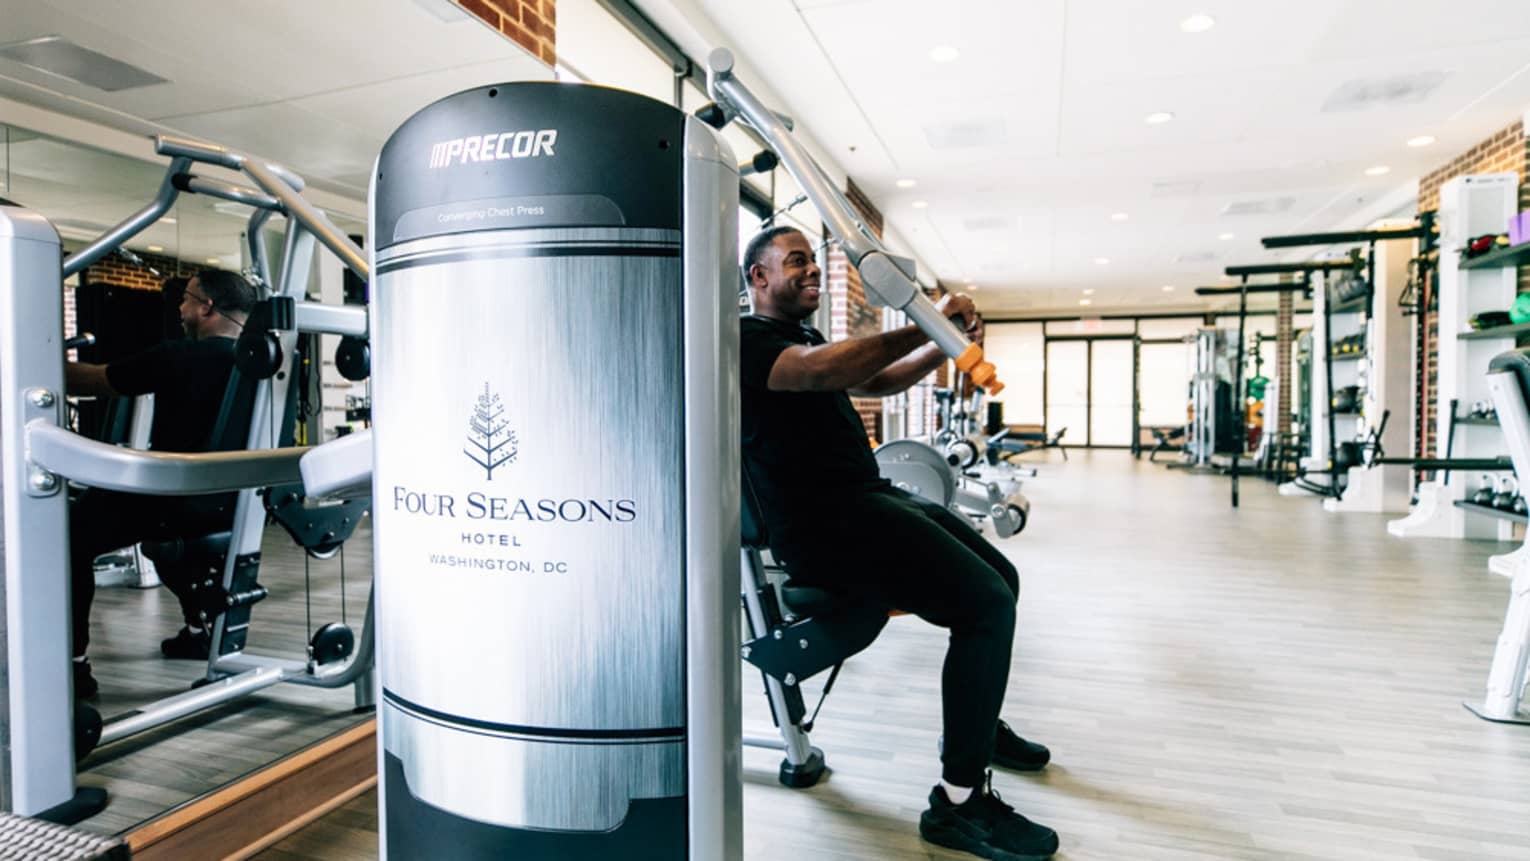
490, 442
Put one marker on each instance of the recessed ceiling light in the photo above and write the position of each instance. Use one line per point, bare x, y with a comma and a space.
1168, 288
155, 249
1089, 291
1083, 301
1102, 260
906, 183
973, 287
1226, 236
1119, 216
944, 53
213, 261
1197, 23
1158, 118
169, 219
1421, 140
1378, 170
919, 204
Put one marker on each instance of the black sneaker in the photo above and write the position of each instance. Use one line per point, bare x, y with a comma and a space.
985, 826
1013, 752
85, 685
187, 646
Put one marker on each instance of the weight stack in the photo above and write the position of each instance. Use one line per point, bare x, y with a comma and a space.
554, 378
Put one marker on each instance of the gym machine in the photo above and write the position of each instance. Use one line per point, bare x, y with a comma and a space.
1211, 407
1372, 357
1243, 290
566, 232
1504, 702
40, 456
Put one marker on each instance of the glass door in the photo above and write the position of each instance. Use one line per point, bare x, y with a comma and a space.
1067, 387
1111, 374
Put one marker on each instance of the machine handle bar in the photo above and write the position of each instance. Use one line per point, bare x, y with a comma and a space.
884, 279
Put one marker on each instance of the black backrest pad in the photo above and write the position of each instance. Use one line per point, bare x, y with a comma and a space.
752, 519
231, 432
1518, 362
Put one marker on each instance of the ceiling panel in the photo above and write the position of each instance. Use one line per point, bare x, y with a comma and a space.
1054, 96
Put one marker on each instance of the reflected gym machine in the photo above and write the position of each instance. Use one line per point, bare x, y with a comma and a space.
528, 236
40, 456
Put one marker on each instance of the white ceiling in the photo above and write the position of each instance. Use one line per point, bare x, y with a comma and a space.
1026, 144
317, 86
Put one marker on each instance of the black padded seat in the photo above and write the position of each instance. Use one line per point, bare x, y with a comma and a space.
811, 600
179, 551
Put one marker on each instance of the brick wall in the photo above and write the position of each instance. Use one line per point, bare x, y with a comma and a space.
532, 24
1505, 150
1283, 344
113, 270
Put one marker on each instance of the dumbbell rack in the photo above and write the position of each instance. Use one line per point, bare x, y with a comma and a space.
1470, 206
1380, 369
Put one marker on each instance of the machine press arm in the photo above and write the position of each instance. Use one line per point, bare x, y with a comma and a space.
886, 282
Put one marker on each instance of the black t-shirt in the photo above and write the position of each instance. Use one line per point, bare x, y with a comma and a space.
801, 449
187, 379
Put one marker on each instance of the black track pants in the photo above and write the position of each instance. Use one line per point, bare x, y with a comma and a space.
928, 561
104, 520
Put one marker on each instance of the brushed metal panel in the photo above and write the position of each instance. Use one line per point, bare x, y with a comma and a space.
583, 355
529, 783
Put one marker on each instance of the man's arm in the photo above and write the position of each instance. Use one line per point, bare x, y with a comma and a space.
914, 367
83, 378
902, 373
842, 365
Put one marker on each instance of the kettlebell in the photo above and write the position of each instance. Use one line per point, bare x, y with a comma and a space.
1484, 493
1346, 400
1508, 488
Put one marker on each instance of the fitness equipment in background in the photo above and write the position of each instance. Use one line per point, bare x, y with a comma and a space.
1357, 289
920, 469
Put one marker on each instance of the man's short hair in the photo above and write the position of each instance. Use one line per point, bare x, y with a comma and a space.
755, 250
229, 292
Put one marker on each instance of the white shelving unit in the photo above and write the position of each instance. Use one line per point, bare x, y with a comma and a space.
1469, 206
1382, 372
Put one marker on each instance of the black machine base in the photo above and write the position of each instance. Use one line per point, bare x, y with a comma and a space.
804, 775
654, 830
87, 802
87, 730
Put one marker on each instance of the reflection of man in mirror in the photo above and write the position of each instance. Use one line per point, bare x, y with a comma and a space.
187, 378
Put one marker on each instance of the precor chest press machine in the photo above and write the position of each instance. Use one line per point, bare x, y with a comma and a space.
557, 622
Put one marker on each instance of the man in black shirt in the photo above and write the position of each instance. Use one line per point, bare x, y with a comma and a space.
187, 378
835, 523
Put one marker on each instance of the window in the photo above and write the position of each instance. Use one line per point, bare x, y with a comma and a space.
597, 47
1017, 351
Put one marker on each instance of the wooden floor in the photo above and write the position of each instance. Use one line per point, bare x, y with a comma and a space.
148, 774
1274, 682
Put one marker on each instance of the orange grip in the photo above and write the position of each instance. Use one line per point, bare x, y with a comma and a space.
970, 357
984, 376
